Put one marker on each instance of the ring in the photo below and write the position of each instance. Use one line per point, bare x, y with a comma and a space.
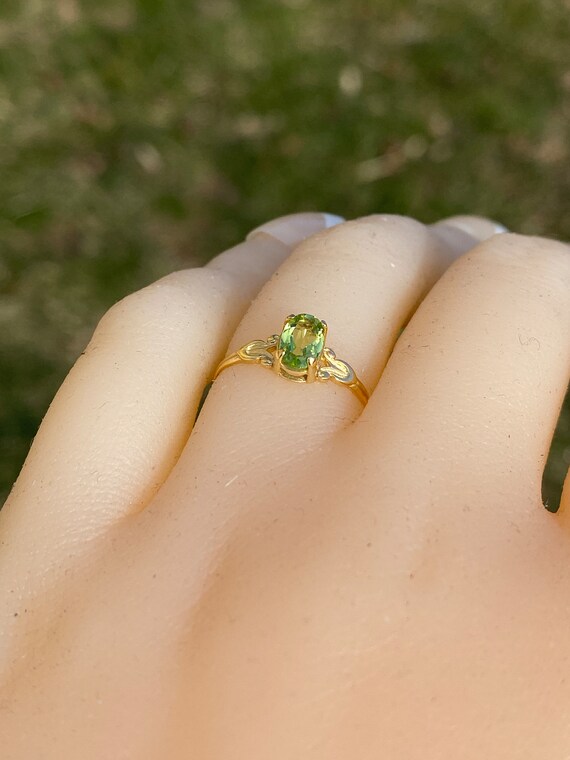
299, 354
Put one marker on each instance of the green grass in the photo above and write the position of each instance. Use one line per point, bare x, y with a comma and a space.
139, 136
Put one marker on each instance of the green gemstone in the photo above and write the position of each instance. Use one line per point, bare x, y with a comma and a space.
303, 337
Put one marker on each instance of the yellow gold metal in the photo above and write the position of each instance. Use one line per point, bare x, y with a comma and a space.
325, 367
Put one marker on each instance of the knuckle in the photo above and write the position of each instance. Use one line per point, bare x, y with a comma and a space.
152, 299
538, 257
373, 239
177, 296
374, 228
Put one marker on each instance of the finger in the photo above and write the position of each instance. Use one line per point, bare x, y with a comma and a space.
470, 397
365, 278
124, 412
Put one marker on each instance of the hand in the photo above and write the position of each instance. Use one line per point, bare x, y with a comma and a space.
297, 576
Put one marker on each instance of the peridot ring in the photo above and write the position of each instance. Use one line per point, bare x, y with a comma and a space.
299, 353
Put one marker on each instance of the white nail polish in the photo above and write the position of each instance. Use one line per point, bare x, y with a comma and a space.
478, 227
331, 220
294, 228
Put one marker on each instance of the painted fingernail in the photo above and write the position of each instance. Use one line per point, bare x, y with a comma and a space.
294, 228
479, 227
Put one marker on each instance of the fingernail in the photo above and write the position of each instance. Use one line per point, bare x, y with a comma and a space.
479, 227
456, 241
294, 228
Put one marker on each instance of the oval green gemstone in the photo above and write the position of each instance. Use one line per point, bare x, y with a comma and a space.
303, 337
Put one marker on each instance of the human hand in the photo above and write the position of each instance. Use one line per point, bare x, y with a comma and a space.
296, 576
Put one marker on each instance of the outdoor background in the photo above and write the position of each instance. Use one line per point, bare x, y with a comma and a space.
142, 136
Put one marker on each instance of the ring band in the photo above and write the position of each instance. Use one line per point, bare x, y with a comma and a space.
299, 354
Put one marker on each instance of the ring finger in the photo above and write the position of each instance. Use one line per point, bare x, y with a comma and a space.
365, 278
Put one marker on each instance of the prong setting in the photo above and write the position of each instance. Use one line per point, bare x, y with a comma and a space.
312, 367
277, 360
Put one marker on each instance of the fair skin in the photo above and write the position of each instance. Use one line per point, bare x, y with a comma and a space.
297, 576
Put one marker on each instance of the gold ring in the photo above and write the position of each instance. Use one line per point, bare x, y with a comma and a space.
299, 354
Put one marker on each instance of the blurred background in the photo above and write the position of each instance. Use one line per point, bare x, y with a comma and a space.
142, 136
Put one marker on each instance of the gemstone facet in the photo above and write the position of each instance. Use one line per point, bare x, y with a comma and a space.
302, 338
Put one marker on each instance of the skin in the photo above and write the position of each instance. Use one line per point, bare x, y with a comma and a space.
297, 576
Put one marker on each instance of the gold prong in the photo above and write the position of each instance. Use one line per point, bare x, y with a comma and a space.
311, 369
277, 360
